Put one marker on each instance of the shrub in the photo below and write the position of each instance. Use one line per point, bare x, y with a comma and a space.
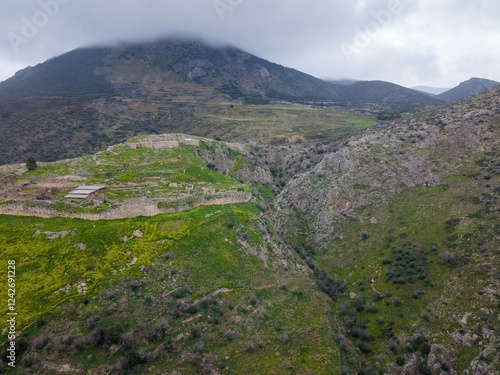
250, 346
394, 346
192, 310
159, 330
364, 347
206, 303
182, 292
426, 316
132, 359
31, 163
446, 257
419, 344
196, 332
359, 305
450, 224
230, 335
40, 322
168, 346
284, 337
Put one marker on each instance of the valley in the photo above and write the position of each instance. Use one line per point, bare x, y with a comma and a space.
265, 223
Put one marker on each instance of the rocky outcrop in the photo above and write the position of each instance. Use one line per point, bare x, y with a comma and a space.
382, 161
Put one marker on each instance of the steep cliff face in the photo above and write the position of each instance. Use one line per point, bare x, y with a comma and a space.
379, 163
406, 215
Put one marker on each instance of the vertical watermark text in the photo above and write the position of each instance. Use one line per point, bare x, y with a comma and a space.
11, 314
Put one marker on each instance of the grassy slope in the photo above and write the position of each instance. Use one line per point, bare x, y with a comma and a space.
397, 246
275, 320
401, 282
163, 175
283, 123
91, 294
418, 259
92, 127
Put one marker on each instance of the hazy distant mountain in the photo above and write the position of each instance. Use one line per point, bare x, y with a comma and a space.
380, 92
430, 90
170, 67
90, 98
467, 88
173, 68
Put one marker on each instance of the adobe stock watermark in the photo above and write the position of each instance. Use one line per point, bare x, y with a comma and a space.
365, 36
30, 26
224, 6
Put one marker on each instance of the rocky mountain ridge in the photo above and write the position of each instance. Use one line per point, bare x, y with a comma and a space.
418, 151
467, 88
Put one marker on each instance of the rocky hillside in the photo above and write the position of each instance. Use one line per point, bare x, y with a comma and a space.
407, 215
372, 252
418, 151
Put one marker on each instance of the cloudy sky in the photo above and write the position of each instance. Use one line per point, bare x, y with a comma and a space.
409, 42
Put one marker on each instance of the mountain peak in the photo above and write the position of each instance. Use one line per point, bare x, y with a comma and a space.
467, 88
478, 80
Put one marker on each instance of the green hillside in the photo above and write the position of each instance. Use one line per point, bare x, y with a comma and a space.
208, 289
373, 251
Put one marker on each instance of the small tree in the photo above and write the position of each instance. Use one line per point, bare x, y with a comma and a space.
31, 163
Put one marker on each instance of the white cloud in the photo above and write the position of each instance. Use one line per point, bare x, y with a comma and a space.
428, 42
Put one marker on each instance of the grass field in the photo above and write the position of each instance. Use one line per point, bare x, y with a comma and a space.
284, 123
199, 289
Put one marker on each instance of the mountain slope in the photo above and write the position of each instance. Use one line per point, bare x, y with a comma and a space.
202, 288
407, 216
71, 74
132, 68
467, 88
90, 98
384, 93
179, 67
366, 253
